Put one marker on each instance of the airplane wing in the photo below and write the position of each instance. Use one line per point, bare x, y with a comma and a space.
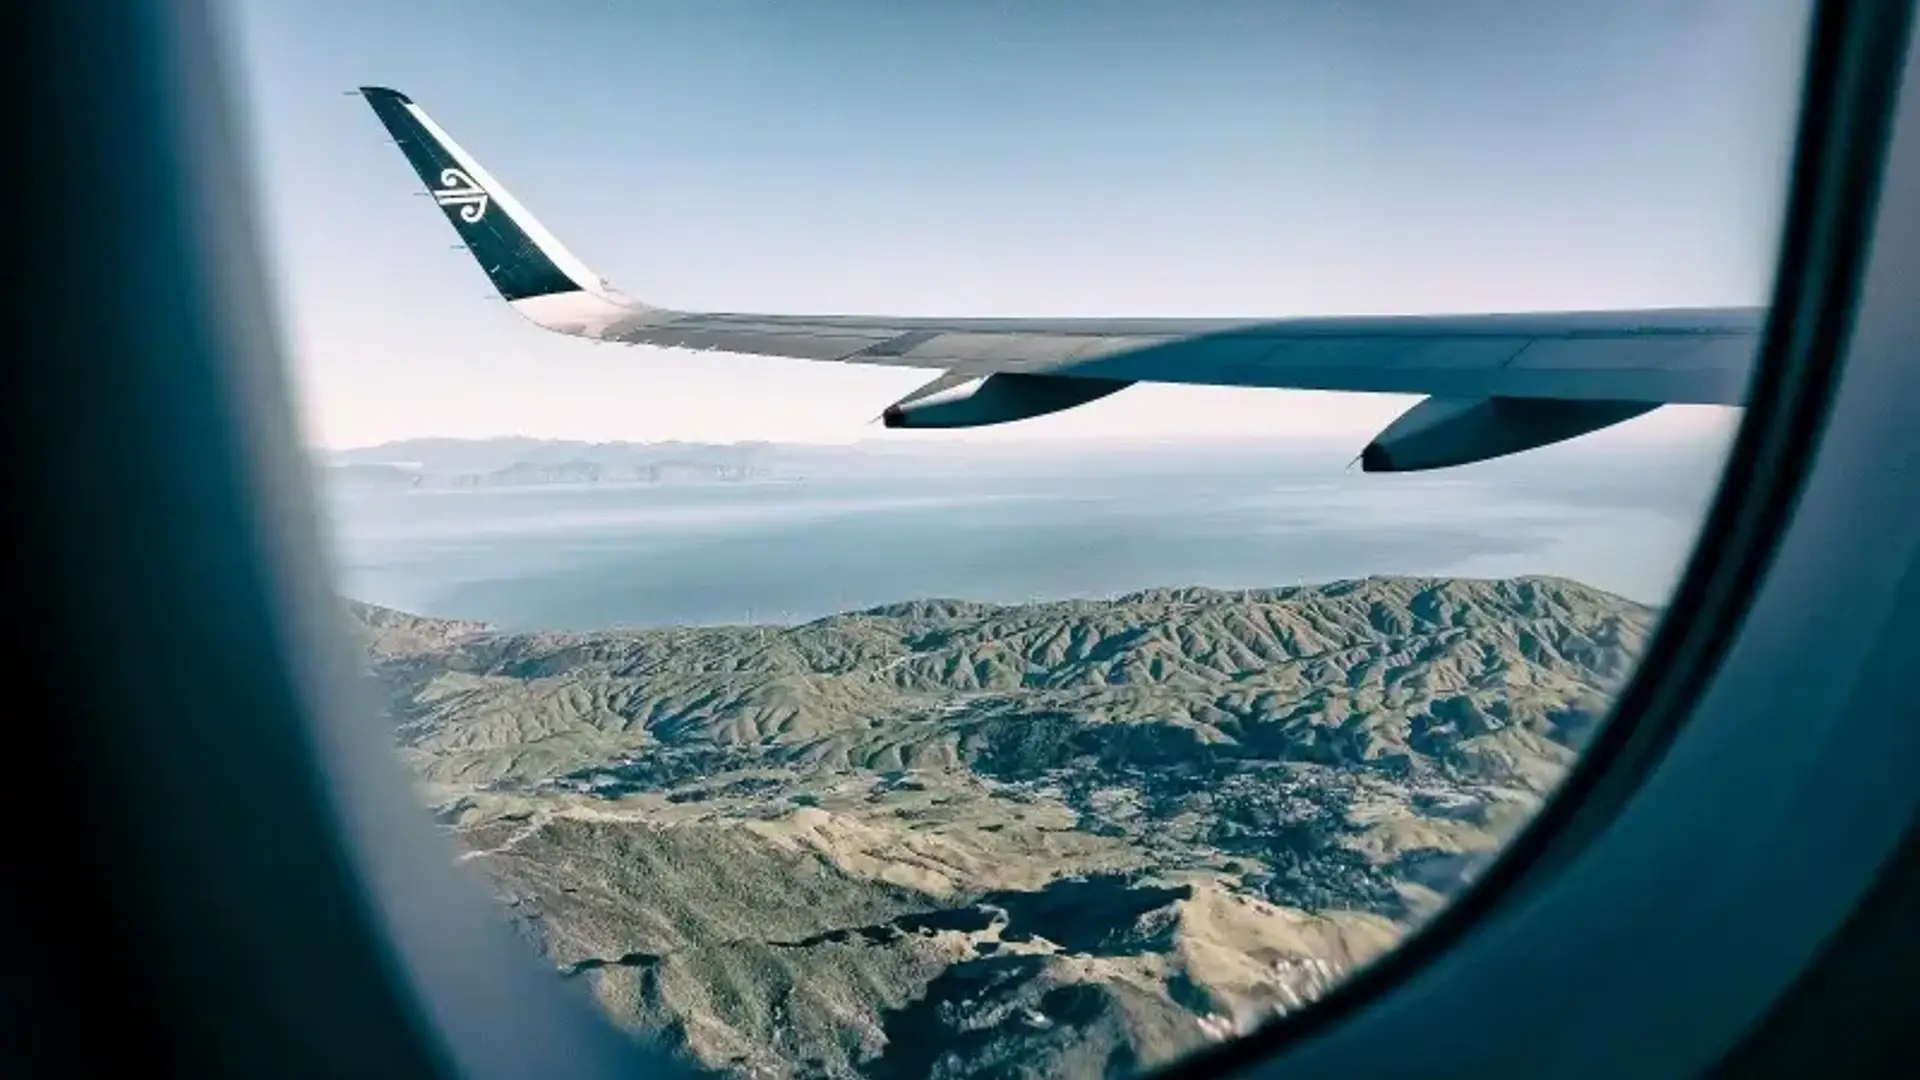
1495, 384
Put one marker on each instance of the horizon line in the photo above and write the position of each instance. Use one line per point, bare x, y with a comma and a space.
946, 442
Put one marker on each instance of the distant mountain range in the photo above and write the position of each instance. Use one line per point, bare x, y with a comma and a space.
518, 461
510, 461
955, 839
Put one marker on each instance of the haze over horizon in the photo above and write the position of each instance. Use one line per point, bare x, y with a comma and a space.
1682, 425
1245, 160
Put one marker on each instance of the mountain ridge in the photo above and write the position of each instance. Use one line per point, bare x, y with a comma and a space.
943, 837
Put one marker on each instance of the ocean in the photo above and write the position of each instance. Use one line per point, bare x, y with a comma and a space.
1003, 526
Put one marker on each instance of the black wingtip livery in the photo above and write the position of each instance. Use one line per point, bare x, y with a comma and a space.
479, 209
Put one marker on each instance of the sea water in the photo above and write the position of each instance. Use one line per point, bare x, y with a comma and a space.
1009, 528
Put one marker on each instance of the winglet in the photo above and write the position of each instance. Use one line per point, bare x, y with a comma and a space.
529, 266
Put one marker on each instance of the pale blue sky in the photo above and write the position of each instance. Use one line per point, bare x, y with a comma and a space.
1062, 157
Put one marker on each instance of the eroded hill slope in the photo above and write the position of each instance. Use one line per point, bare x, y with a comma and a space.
948, 838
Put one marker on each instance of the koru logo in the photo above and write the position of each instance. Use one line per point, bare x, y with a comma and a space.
462, 192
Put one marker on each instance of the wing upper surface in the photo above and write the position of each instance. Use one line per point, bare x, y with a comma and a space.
1676, 356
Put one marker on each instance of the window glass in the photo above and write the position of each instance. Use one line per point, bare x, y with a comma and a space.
1065, 745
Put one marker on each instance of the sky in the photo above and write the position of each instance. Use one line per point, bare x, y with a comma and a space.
1047, 157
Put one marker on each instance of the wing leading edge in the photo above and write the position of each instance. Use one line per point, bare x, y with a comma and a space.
1499, 382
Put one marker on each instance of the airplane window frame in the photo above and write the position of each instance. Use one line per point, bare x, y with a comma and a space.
269, 802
